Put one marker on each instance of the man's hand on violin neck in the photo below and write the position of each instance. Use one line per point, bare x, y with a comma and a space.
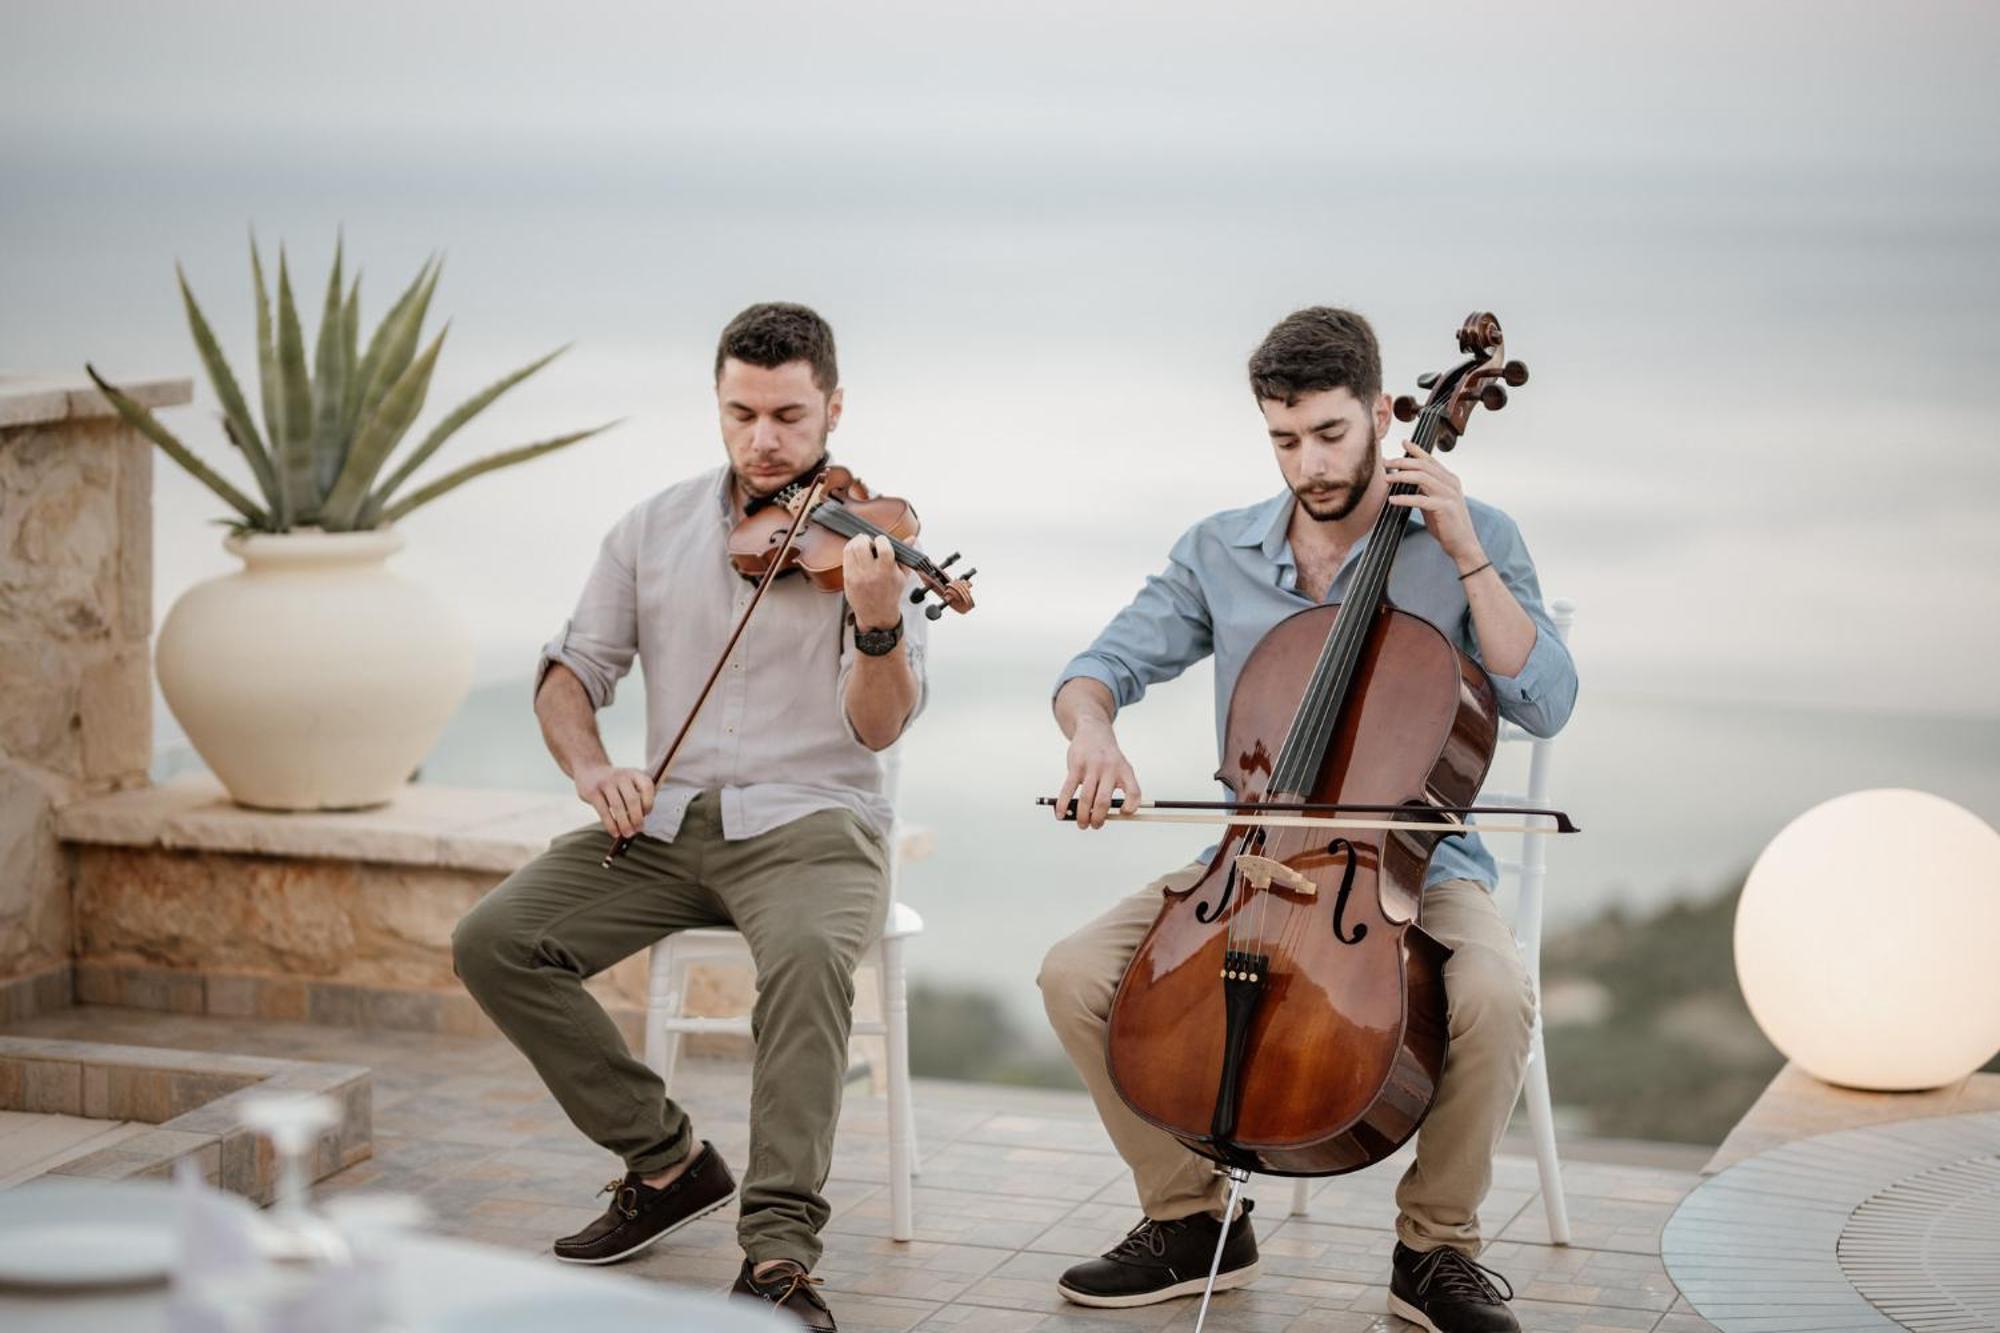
873, 582
621, 796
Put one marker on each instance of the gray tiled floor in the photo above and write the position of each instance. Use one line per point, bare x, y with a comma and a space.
1016, 1185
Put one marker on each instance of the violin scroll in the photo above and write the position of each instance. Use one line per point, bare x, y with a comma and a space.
955, 593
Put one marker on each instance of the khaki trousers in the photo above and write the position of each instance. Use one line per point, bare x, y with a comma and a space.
1491, 1010
808, 897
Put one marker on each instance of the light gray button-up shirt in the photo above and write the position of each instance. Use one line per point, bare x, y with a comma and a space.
1231, 577
773, 738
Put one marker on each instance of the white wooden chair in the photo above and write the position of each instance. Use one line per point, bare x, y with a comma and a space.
1529, 871
666, 996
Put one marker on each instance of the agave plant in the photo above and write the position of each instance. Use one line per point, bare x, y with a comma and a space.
329, 431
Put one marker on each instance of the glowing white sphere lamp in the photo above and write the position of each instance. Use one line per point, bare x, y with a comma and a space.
1868, 941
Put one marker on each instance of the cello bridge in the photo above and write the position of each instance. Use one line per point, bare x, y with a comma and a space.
1261, 872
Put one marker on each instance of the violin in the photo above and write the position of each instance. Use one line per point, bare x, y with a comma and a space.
806, 526
1286, 1013
846, 510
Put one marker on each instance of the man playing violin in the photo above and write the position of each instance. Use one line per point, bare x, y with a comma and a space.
1462, 565
771, 820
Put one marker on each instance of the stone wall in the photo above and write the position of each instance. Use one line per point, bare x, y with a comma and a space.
188, 903
76, 620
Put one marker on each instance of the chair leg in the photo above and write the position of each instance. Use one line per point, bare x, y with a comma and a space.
663, 1042
912, 1154
1541, 1120
902, 1138
893, 1054
1301, 1193
658, 969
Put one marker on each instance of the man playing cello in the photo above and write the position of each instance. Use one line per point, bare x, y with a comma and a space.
771, 820
1462, 566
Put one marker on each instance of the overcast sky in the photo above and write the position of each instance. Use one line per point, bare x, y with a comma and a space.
1457, 84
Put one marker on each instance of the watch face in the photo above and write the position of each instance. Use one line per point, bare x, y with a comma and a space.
877, 641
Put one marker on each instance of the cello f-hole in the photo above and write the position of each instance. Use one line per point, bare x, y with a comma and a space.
1337, 847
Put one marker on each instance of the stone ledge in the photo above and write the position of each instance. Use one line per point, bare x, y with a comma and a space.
449, 827
1798, 1106
250, 995
194, 1098
32, 400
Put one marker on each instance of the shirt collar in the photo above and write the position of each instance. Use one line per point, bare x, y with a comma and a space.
1266, 525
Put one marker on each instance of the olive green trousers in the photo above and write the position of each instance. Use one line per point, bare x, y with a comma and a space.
807, 897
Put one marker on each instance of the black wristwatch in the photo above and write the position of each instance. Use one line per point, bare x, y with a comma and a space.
877, 642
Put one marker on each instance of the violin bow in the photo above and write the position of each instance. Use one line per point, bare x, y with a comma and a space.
619, 846
1314, 814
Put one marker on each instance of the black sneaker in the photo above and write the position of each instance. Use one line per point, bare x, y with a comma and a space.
1158, 1261
640, 1214
1446, 1292
790, 1289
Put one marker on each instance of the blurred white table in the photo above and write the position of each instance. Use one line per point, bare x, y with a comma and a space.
442, 1285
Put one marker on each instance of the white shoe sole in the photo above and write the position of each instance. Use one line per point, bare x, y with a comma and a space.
1229, 1281
653, 1239
1402, 1309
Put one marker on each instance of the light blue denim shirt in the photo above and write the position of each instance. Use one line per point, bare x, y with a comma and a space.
1231, 577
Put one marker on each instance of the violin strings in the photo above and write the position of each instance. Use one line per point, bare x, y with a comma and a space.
832, 514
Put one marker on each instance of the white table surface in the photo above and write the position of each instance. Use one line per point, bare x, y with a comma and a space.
440, 1283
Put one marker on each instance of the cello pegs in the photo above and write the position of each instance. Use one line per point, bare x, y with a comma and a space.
1515, 373
1406, 408
917, 596
966, 577
946, 562
1493, 396
934, 611
1427, 380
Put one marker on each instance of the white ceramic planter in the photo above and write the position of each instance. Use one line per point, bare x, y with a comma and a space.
313, 678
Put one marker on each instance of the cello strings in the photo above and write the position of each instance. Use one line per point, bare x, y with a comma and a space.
1338, 657
1311, 725
1343, 651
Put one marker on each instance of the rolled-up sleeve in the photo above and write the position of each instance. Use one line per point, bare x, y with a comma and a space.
600, 640
1539, 697
1162, 632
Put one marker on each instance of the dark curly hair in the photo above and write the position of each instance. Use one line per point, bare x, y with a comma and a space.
774, 333
1318, 348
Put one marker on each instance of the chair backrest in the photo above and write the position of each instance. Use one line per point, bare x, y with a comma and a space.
1530, 869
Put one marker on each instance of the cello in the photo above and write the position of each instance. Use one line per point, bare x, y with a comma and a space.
1285, 1014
